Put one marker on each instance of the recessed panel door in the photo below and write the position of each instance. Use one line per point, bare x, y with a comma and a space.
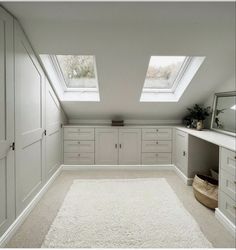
129, 146
53, 132
7, 202
29, 122
106, 146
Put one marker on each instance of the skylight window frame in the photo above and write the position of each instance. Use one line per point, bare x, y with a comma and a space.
58, 69
176, 81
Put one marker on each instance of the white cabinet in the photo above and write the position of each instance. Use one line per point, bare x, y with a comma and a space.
78, 146
156, 146
7, 192
53, 131
129, 146
106, 146
181, 151
29, 121
227, 186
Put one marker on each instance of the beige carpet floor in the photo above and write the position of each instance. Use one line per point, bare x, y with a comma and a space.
32, 232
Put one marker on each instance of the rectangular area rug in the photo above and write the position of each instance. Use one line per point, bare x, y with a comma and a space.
125, 213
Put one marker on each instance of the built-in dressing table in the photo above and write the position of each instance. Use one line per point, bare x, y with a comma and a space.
198, 151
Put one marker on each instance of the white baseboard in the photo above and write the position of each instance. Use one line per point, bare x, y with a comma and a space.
21, 218
187, 181
117, 167
225, 222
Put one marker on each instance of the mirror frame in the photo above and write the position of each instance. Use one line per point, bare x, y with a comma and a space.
222, 94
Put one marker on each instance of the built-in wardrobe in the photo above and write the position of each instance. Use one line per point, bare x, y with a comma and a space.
30, 123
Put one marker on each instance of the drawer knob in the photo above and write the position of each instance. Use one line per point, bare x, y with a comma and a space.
157, 130
157, 142
78, 154
78, 142
184, 153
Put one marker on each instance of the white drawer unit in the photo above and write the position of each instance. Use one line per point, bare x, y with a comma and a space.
150, 134
228, 160
79, 158
77, 133
78, 146
227, 206
156, 146
156, 158
228, 184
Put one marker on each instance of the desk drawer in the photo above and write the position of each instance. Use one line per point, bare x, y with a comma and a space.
78, 146
79, 158
156, 158
83, 134
228, 160
228, 184
227, 206
156, 146
156, 134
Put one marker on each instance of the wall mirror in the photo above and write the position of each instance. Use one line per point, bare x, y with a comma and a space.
224, 110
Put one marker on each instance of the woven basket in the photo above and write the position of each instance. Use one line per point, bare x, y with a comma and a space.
205, 190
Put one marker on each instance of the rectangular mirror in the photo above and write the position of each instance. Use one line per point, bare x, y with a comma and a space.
224, 110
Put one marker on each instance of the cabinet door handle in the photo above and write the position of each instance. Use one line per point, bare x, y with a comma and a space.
184, 153
120, 145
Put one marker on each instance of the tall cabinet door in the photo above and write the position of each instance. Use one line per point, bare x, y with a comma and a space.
129, 146
106, 146
7, 205
29, 121
53, 132
181, 151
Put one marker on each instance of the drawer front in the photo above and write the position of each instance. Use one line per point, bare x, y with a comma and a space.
228, 160
156, 158
78, 146
228, 184
227, 206
83, 134
156, 134
79, 158
156, 146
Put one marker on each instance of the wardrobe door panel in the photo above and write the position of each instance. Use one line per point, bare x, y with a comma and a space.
106, 146
53, 128
129, 146
7, 187
29, 124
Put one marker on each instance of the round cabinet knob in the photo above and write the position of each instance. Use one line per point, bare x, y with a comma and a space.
157, 130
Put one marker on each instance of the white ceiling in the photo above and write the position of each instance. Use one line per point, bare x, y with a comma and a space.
123, 36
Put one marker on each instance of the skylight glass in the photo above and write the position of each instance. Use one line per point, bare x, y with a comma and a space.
79, 71
163, 71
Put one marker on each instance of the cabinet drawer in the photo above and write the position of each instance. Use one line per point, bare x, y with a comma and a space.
79, 158
228, 160
156, 146
156, 158
228, 184
84, 134
156, 134
78, 146
227, 206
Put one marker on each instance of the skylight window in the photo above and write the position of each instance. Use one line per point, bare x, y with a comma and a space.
167, 77
78, 71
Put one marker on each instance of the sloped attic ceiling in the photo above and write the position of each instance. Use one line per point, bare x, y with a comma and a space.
123, 36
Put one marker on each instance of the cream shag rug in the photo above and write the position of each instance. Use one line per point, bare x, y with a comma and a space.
123, 213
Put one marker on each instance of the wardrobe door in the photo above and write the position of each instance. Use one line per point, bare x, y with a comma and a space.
29, 121
7, 197
53, 131
129, 146
106, 146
